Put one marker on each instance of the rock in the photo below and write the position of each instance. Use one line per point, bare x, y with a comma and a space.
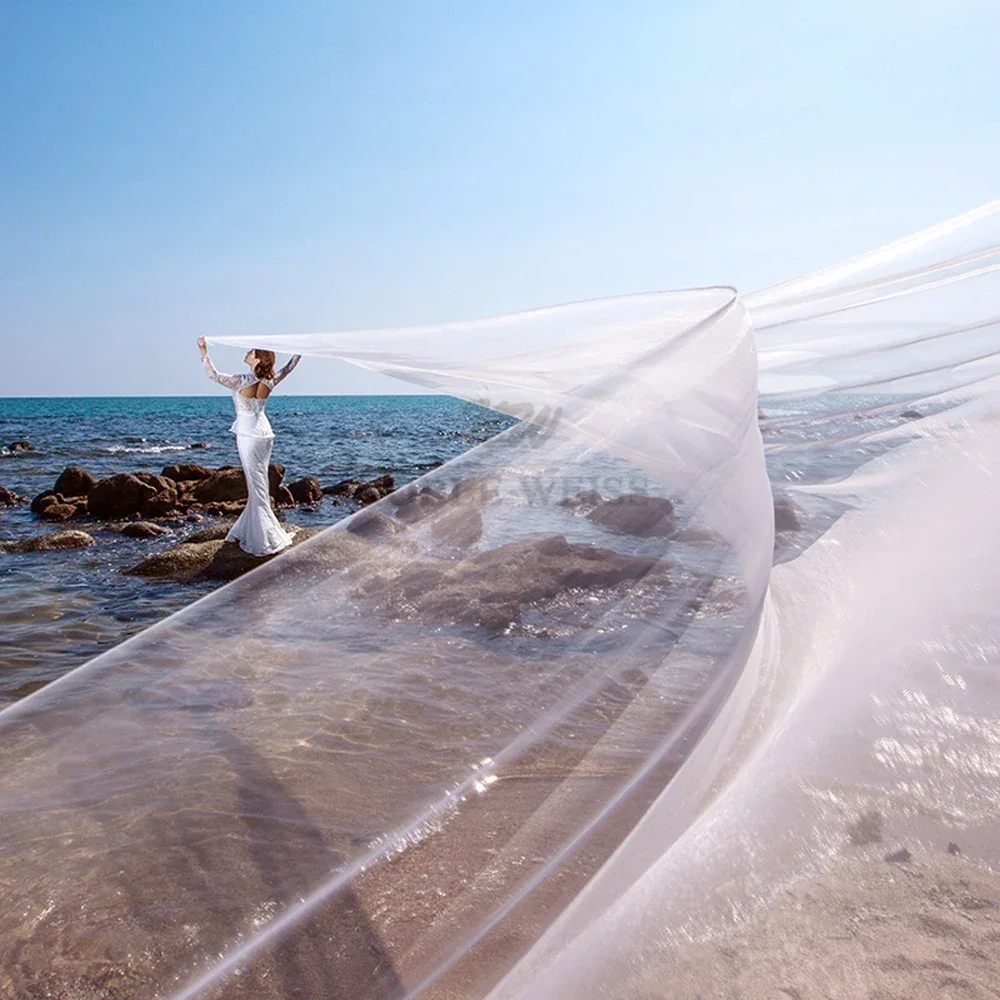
20, 446
306, 490
213, 559
8, 498
213, 534
953, 848
53, 542
345, 488
45, 499
119, 496
283, 497
459, 525
182, 560
417, 507
143, 529
787, 515
899, 857
475, 488
367, 495
911, 415
380, 487
584, 501
635, 514
493, 588
185, 472
221, 486
229, 508
164, 504
404, 494
200, 444
275, 474
74, 482
373, 524
384, 484
429, 491
230, 561
162, 484
58, 512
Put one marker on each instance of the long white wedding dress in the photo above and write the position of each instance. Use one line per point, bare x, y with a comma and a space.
257, 530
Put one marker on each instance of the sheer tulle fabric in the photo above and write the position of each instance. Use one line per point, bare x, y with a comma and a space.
575, 705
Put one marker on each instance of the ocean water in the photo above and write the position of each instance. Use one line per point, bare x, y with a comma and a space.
58, 609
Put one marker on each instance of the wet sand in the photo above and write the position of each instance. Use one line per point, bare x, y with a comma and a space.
869, 929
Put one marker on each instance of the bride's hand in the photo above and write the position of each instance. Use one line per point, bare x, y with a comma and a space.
202, 346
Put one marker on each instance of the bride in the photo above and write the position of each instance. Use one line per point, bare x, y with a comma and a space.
257, 530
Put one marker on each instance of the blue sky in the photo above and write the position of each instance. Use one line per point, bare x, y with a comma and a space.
174, 168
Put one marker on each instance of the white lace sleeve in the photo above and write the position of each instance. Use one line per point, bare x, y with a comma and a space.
287, 370
233, 382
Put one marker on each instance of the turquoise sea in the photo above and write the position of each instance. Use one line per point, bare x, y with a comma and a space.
58, 609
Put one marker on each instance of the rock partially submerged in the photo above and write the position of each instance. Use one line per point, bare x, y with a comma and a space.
178, 490
584, 501
144, 529
364, 493
186, 472
787, 515
493, 588
222, 485
184, 560
74, 482
55, 541
455, 517
119, 496
635, 514
306, 490
458, 525
8, 498
213, 534
419, 505
58, 511
373, 524
211, 559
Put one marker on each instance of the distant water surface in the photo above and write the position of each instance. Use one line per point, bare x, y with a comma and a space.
58, 609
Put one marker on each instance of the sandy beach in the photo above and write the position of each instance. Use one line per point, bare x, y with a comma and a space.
927, 928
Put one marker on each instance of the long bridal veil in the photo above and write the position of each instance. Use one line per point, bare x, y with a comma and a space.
553, 718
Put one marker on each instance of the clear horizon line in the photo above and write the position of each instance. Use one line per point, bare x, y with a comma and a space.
210, 395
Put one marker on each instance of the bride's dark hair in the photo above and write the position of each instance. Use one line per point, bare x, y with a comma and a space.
264, 368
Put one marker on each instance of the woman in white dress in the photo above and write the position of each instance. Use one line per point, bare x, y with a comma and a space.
257, 530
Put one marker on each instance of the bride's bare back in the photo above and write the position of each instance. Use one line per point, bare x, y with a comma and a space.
258, 390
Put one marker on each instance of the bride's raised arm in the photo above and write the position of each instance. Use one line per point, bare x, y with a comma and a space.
233, 382
285, 371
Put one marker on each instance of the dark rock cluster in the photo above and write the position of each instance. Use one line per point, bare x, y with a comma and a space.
180, 489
